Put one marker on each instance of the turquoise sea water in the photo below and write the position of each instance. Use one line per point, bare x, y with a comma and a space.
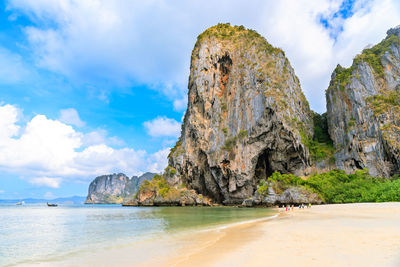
32, 234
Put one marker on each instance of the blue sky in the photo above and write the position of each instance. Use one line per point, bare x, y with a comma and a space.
95, 87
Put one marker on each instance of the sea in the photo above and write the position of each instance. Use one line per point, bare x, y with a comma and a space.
34, 234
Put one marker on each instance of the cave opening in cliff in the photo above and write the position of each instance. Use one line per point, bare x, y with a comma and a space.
263, 167
225, 68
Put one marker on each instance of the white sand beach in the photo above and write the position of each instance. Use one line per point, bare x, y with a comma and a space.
366, 234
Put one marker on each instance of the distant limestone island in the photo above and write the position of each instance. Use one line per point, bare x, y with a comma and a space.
250, 138
115, 188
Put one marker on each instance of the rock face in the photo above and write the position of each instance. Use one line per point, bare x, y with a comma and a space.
292, 195
246, 118
363, 106
186, 198
158, 192
114, 188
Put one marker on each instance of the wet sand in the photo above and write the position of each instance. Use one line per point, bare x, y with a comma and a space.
366, 234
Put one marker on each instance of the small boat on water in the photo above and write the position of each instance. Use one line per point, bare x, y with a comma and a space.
20, 203
51, 205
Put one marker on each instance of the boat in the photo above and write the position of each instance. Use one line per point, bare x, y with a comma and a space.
51, 205
20, 203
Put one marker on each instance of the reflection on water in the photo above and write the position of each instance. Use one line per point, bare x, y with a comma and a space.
34, 233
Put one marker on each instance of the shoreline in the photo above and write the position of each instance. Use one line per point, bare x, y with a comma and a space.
151, 250
360, 234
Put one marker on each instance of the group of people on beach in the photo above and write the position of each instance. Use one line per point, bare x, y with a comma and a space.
291, 207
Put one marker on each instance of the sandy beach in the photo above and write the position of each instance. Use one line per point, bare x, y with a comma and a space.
366, 234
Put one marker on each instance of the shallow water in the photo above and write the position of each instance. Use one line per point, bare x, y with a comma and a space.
32, 234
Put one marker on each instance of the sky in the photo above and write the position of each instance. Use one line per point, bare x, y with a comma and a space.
100, 86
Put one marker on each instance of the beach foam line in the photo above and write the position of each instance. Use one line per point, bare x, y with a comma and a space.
223, 227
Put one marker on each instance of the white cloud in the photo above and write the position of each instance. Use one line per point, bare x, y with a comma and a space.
8, 117
158, 161
12, 68
180, 104
130, 42
44, 143
71, 116
100, 136
163, 127
2, 191
52, 151
46, 181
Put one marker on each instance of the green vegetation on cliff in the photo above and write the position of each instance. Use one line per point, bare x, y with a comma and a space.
320, 145
371, 56
281, 182
338, 187
224, 31
169, 171
160, 187
385, 101
176, 150
387, 104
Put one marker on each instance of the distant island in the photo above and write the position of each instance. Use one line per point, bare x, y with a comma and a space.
115, 188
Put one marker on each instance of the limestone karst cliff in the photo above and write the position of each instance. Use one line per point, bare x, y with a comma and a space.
246, 118
363, 106
114, 188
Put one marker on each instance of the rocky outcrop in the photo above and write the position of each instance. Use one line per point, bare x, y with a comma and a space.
246, 118
363, 106
114, 188
292, 195
159, 192
186, 198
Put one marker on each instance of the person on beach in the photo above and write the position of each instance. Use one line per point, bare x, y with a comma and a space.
309, 205
286, 207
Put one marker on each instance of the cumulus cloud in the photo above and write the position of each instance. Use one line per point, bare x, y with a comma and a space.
53, 152
8, 118
46, 181
131, 42
163, 127
71, 116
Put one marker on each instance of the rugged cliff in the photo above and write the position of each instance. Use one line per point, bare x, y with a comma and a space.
115, 188
246, 118
363, 106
